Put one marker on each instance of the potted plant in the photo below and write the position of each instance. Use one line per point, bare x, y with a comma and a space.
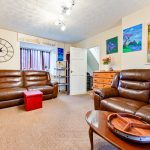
106, 63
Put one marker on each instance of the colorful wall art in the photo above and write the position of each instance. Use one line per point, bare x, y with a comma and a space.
60, 54
148, 52
132, 39
112, 45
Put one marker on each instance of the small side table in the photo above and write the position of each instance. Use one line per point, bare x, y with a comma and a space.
33, 100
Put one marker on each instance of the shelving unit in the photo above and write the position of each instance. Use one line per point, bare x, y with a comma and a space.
62, 76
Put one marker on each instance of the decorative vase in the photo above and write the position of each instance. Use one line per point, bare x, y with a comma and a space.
107, 67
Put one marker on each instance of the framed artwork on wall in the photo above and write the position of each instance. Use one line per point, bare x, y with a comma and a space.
148, 50
132, 39
60, 54
112, 45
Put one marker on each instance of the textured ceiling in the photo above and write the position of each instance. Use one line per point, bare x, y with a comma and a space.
89, 17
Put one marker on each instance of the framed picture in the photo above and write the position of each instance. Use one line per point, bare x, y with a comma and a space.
112, 45
132, 39
60, 54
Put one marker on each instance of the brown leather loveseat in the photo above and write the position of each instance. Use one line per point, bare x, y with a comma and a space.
129, 93
13, 83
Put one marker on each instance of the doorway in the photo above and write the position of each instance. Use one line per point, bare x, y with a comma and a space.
93, 62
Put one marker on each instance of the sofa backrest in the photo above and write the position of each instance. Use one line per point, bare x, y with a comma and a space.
135, 84
10, 79
36, 78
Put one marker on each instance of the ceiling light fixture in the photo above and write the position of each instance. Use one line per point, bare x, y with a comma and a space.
57, 23
61, 17
66, 10
63, 27
69, 4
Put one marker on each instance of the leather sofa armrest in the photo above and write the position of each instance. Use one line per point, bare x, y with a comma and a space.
53, 83
97, 101
107, 92
101, 94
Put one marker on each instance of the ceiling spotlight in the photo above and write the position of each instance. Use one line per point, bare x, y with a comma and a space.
63, 28
61, 18
68, 12
68, 3
57, 23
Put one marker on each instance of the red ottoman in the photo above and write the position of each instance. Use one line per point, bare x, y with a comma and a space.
33, 100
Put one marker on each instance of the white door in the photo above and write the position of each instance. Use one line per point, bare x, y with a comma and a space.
78, 71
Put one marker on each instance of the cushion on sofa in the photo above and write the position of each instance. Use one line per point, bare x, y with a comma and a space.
45, 89
36, 78
10, 79
120, 104
135, 84
12, 93
144, 112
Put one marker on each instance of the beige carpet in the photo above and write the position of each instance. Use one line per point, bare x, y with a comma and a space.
59, 125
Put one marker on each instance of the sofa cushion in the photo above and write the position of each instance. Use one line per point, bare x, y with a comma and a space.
140, 95
11, 93
10, 79
144, 112
119, 104
135, 84
44, 89
36, 78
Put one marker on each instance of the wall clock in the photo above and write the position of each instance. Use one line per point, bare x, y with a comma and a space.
6, 50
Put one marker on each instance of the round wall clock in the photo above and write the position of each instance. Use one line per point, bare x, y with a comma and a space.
6, 51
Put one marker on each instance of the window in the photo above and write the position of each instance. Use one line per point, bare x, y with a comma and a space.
32, 59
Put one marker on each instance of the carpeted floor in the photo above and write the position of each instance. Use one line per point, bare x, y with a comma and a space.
59, 125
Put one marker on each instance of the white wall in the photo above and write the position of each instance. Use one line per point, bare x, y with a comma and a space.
122, 60
119, 60
15, 38
42, 41
14, 62
137, 59
100, 40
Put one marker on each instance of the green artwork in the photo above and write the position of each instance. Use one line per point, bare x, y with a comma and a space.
112, 45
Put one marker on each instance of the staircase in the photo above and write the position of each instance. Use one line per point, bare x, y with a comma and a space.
92, 59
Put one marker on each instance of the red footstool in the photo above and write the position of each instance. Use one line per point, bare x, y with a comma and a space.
33, 100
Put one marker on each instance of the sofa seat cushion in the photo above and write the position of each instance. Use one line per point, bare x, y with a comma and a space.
144, 112
119, 104
45, 89
12, 93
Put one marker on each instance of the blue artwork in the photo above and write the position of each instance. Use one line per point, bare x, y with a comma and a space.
132, 39
60, 54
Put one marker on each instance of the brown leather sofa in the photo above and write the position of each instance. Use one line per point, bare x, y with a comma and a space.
13, 83
129, 93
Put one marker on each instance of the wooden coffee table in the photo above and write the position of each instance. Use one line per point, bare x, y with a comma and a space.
97, 121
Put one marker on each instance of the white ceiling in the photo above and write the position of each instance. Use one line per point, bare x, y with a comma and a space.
89, 17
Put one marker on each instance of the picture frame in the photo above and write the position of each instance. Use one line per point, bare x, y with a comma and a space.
60, 54
132, 39
112, 45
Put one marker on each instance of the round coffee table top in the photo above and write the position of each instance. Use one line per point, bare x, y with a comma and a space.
97, 121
